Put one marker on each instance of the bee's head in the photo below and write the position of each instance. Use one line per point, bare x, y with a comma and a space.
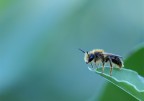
88, 56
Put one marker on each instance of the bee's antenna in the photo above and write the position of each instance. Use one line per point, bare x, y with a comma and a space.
82, 50
87, 53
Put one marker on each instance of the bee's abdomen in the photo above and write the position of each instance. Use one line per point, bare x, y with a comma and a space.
116, 60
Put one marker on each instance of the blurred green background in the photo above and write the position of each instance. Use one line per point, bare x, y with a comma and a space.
39, 41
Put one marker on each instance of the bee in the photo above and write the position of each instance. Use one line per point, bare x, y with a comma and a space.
99, 56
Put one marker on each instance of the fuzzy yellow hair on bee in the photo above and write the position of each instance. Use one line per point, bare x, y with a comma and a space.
98, 56
98, 50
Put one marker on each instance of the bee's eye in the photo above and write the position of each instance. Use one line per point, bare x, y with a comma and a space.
91, 57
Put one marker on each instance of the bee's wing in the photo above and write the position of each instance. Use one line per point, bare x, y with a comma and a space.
110, 54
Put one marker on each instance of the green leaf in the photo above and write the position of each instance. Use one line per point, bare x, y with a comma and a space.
127, 80
135, 61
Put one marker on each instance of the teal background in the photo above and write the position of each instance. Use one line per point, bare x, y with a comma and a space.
39, 41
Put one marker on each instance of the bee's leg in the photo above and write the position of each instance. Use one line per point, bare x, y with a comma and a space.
91, 65
91, 68
96, 67
99, 65
103, 66
95, 63
111, 67
103, 63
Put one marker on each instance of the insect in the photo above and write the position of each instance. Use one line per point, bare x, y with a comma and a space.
98, 56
